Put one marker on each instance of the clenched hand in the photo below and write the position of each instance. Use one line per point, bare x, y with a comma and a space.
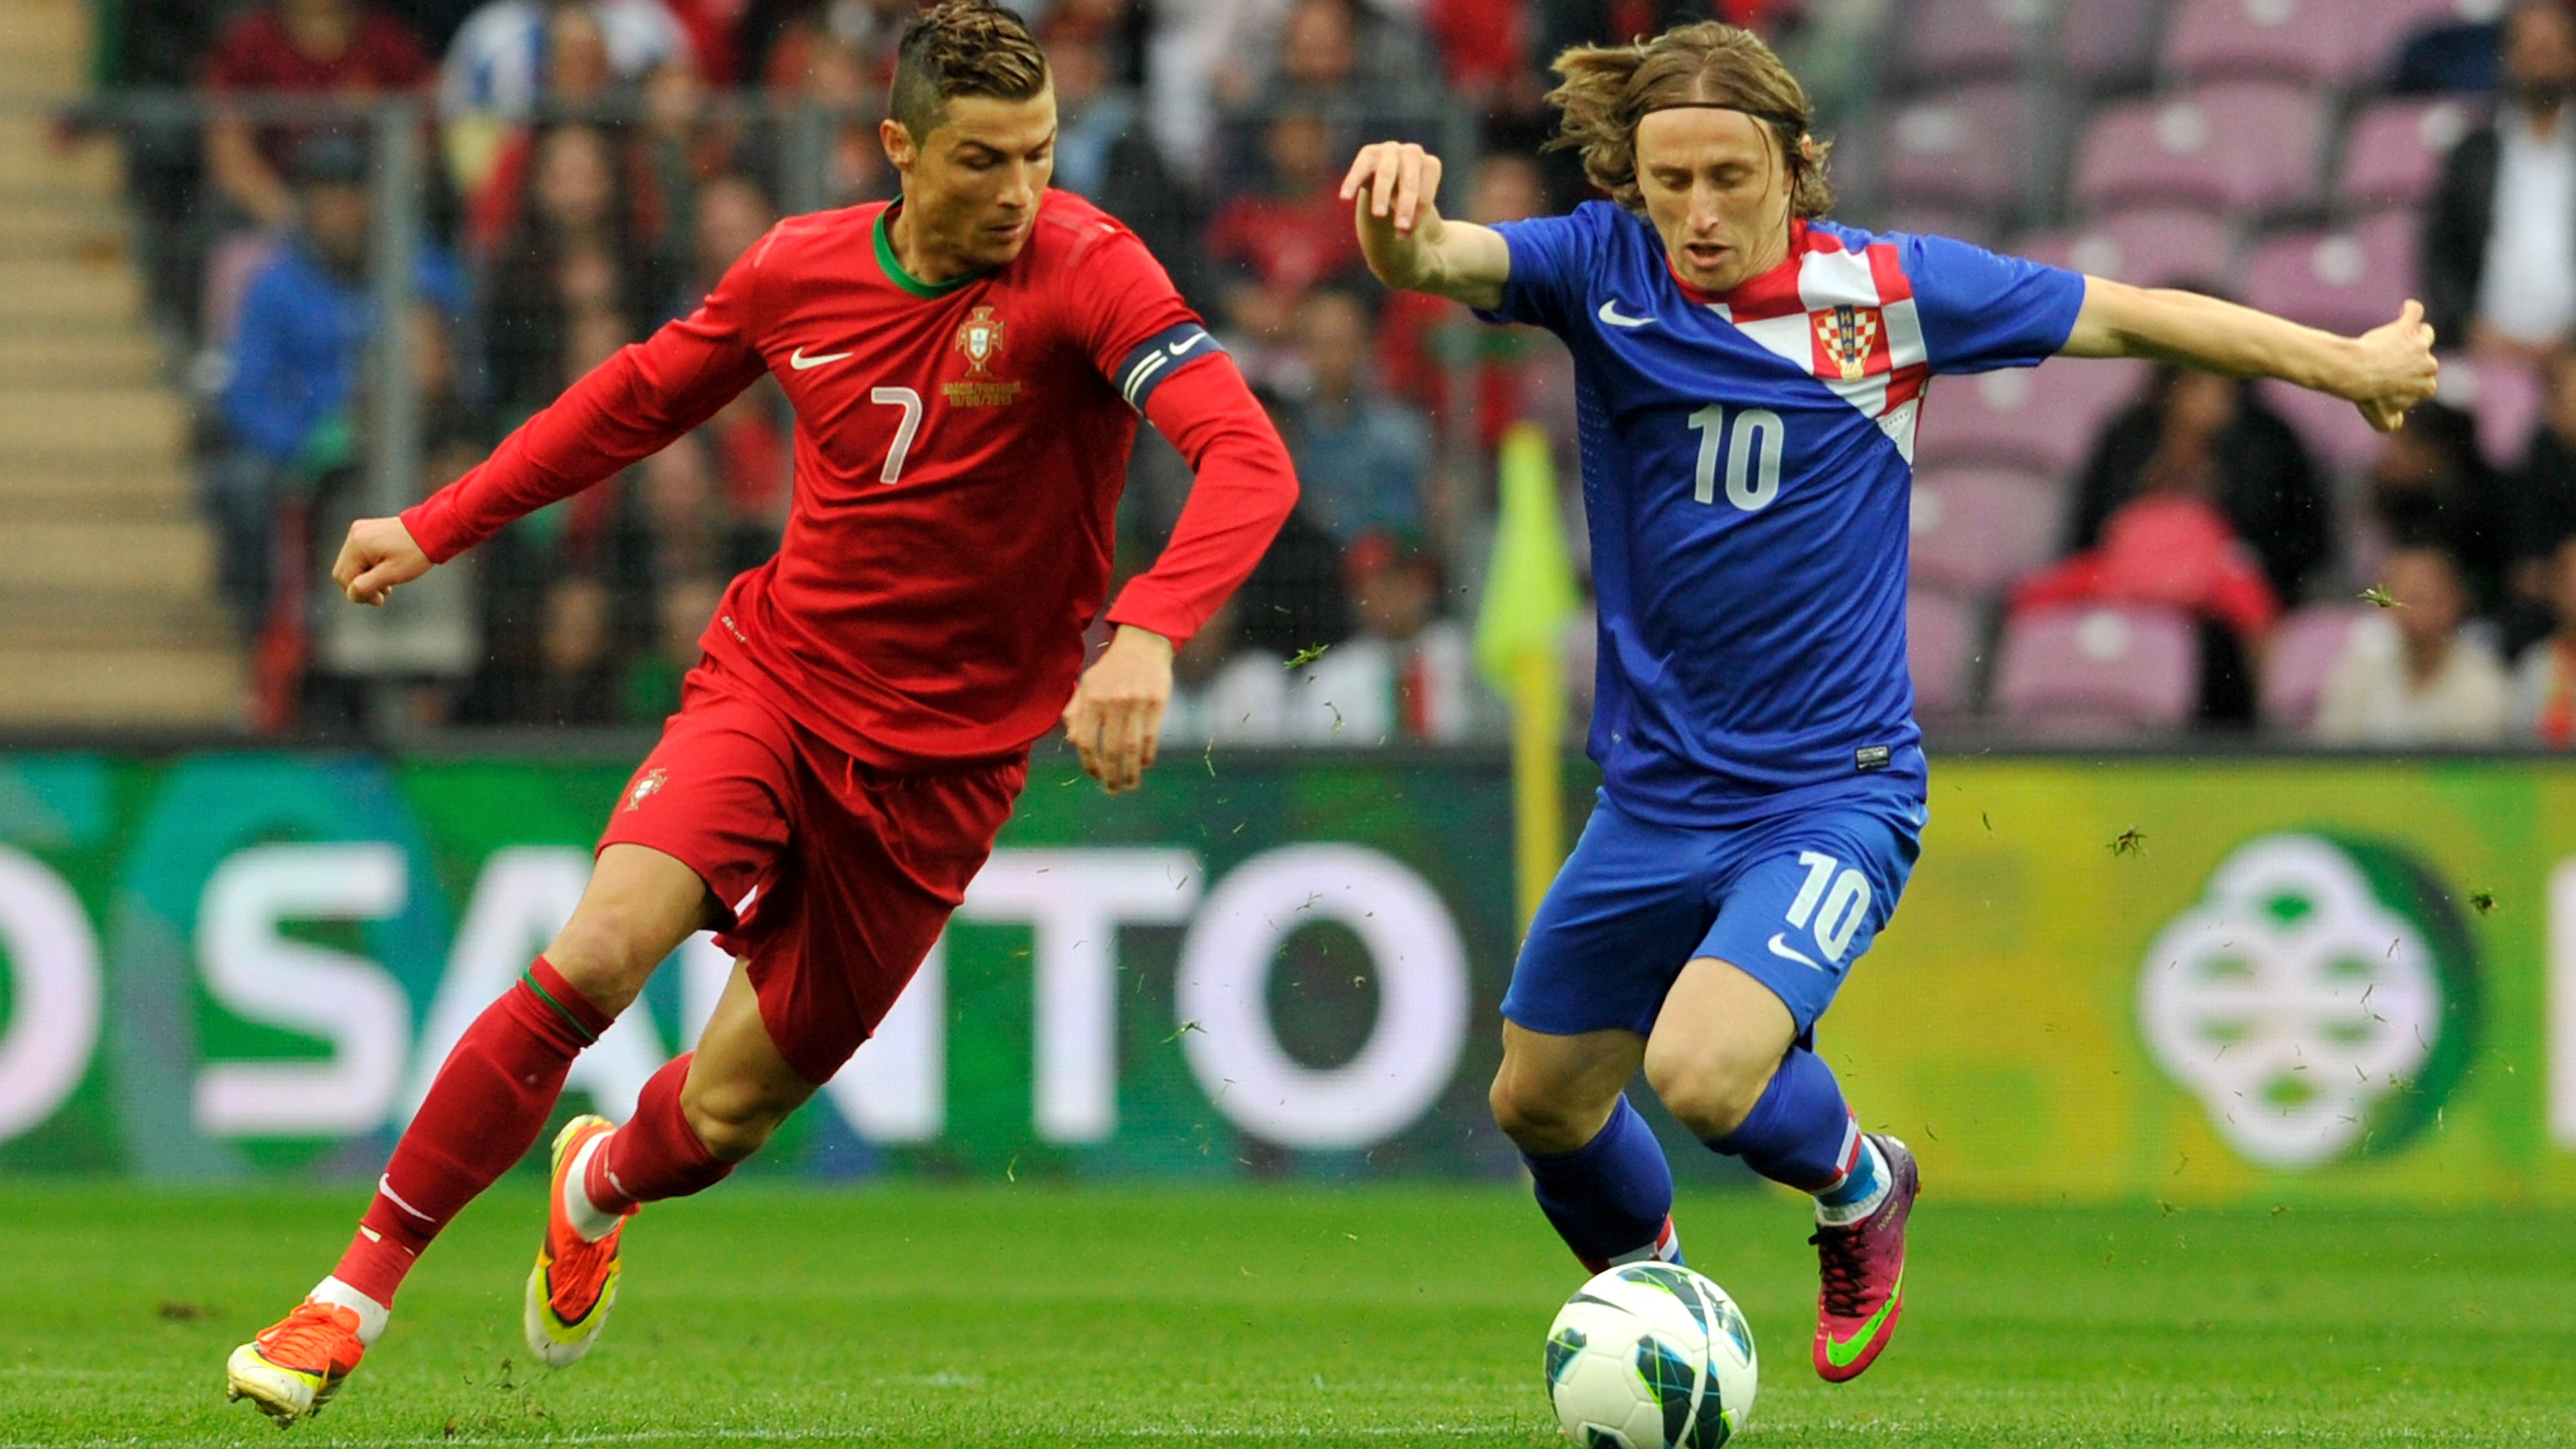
1116, 716
379, 554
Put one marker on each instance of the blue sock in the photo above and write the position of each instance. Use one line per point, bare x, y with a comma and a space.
1860, 1183
1611, 1199
1801, 1133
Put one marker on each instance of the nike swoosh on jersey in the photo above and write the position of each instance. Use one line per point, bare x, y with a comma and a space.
1610, 313
799, 361
1176, 349
1781, 948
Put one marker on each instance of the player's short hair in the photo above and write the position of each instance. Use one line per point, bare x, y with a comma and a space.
1608, 88
962, 48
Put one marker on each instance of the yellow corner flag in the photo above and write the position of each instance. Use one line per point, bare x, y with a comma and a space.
1529, 596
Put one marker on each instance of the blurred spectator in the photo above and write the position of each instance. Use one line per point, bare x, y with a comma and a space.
784, 36
2449, 58
2544, 694
1222, 692
1485, 53
577, 654
1412, 672
845, 69
2431, 482
1421, 337
681, 609
302, 47
1103, 155
1362, 457
2500, 230
2199, 435
1295, 599
305, 323
715, 37
749, 438
2540, 508
2172, 547
1270, 248
581, 240
513, 57
2411, 675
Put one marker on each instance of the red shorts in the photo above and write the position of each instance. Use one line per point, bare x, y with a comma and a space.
835, 876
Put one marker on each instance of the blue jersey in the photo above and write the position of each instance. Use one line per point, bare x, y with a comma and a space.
1748, 465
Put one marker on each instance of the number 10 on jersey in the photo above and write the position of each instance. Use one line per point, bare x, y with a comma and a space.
1752, 451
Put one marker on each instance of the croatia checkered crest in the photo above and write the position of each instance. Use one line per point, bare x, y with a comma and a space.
1651, 1356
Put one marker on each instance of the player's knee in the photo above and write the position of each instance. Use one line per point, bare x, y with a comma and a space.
1538, 1121
604, 956
1710, 1092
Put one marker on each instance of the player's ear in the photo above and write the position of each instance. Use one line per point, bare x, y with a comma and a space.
898, 144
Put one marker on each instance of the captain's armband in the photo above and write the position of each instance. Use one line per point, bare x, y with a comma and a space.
1160, 356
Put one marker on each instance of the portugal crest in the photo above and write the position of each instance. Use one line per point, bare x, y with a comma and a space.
1845, 336
646, 788
979, 338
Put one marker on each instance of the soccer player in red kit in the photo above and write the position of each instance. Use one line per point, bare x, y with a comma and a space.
967, 367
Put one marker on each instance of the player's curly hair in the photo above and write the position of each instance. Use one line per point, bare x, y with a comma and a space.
1607, 88
962, 48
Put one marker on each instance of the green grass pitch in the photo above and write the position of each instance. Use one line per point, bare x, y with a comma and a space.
1035, 1315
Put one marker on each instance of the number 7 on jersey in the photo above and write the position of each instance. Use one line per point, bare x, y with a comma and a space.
910, 401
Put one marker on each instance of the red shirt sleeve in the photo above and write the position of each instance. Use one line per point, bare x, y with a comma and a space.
1151, 347
1244, 491
627, 409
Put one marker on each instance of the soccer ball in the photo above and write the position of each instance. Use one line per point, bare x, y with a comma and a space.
1651, 1356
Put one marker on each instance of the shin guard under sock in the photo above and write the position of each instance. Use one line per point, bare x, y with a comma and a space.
487, 1105
1612, 1198
1801, 1132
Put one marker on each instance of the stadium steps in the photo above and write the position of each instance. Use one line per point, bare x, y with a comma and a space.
109, 615
44, 48
121, 688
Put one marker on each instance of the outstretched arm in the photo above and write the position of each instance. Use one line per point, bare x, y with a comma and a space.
1408, 243
2385, 371
624, 410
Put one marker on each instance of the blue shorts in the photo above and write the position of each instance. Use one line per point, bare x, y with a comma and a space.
1791, 901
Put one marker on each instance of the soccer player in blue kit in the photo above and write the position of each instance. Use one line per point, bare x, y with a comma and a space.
1748, 377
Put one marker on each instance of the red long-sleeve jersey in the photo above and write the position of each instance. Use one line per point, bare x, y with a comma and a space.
960, 449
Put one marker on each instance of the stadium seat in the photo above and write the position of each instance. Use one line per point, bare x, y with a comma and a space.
2304, 650
1941, 150
2393, 153
2109, 45
1975, 530
2152, 247
1977, 227
2507, 401
2332, 428
2094, 671
2041, 419
2303, 42
2342, 281
1950, 41
2248, 149
1940, 651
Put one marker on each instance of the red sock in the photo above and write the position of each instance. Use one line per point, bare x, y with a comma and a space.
657, 1154
490, 1101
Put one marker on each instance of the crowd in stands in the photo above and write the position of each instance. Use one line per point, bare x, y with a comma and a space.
2099, 547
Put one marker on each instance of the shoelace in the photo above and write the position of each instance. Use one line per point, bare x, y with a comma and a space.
308, 1336
1838, 1258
